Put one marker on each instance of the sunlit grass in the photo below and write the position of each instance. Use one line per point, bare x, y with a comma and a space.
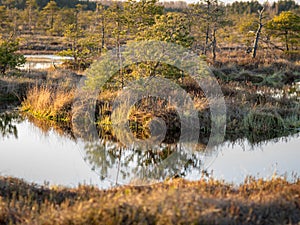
47, 102
178, 201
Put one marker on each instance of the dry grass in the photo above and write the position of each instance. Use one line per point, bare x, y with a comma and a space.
248, 106
15, 84
172, 202
250, 109
47, 102
275, 60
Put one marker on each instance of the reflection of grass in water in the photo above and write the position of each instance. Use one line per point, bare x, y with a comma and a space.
62, 128
258, 142
6, 124
172, 202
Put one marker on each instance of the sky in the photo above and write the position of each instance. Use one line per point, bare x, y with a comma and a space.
261, 1
230, 1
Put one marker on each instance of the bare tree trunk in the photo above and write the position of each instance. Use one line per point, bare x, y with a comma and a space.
206, 39
207, 28
286, 41
214, 44
52, 20
102, 33
15, 26
101, 20
29, 19
101, 9
260, 25
120, 55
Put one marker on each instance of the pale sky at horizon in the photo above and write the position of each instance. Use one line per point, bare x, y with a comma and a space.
231, 1
261, 1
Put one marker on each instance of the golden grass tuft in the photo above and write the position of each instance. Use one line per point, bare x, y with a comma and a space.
47, 102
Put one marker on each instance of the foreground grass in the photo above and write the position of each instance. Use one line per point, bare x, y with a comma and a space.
172, 202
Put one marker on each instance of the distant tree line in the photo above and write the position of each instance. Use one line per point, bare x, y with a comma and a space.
208, 26
240, 7
249, 7
21, 4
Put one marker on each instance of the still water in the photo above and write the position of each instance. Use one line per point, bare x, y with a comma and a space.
36, 155
43, 62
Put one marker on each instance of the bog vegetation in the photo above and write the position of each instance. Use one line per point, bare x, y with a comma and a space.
251, 48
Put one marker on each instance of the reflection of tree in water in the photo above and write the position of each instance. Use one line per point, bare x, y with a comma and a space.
100, 156
255, 139
121, 165
110, 160
259, 142
7, 127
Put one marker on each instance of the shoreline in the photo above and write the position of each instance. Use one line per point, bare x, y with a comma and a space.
202, 202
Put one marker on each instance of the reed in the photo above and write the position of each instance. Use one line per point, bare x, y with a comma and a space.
48, 103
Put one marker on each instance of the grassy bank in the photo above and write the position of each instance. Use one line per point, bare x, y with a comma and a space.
172, 202
251, 110
257, 100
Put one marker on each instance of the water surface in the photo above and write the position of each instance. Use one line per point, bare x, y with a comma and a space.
43, 62
30, 153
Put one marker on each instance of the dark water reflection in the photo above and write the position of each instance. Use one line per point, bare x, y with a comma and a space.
123, 165
7, 126
41, 152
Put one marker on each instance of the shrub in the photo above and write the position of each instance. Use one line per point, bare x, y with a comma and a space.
8, 56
